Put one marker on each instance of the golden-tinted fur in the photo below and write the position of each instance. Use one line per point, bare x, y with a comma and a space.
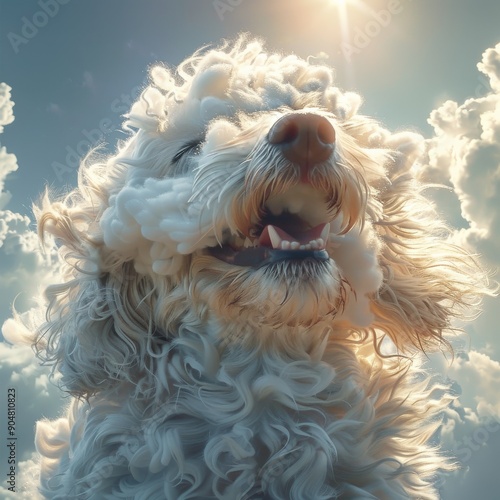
198, 379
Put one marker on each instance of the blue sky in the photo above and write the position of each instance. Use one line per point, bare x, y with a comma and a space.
66, 78
74, 67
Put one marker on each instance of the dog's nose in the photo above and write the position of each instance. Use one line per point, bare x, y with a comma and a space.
304, 138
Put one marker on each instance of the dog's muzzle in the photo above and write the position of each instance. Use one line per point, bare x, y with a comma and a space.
288, 231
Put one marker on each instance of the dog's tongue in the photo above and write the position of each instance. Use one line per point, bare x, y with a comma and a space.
276, 245
273, 236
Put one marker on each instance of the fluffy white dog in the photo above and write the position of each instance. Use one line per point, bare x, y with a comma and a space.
230, 276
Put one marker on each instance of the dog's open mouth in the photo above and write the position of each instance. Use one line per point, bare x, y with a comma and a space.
293, 227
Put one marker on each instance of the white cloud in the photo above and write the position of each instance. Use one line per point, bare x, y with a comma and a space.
464, 155
24, 270
8, 161
6, 106
35, 397
471, 427
24, 267
479, 378
8, 164
27, 473
490, 66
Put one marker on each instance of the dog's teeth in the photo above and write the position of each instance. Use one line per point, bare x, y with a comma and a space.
325, 233
274, 237
248, 243
277, 242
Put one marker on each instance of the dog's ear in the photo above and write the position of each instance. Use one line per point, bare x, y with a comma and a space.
427, 280
99, 322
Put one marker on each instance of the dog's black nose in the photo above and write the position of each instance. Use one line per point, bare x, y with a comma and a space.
304, 138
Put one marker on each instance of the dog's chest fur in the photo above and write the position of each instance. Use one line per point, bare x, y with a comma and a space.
230, 424
226, 278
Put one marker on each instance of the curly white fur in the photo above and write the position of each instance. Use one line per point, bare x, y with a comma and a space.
196, 378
